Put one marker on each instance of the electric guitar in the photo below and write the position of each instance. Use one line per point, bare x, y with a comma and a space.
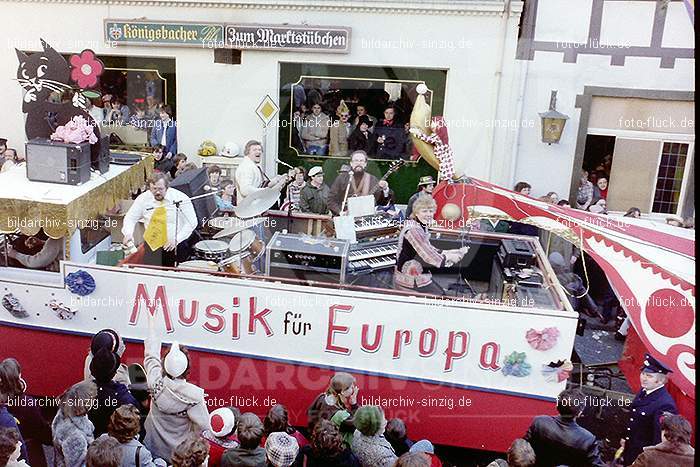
394, 167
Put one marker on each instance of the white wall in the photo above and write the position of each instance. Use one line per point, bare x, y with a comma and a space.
217, 101
549, 167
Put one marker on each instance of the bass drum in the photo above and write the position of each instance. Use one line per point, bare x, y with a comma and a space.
247, 241
240, 264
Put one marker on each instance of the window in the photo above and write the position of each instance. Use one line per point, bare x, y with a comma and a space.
669, 179
370, 87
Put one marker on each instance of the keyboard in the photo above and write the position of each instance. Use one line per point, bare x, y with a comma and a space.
373, 226
372, 256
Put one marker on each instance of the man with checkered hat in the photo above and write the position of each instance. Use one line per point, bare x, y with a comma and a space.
282, 449
652, 401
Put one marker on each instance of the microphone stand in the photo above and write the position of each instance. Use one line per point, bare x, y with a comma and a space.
347, 191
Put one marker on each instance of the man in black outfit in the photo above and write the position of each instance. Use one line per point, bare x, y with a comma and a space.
160, 163
560, 440
648, 406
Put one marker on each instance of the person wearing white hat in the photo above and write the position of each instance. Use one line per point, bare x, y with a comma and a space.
222, 435
178, 408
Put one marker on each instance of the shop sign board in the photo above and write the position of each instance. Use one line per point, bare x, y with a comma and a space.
301, 38
288, 38
162, 33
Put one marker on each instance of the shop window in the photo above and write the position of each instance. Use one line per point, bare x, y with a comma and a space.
137, 87
669, 179
325, 138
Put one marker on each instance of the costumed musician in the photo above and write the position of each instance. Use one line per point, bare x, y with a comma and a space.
415, 252
169, 218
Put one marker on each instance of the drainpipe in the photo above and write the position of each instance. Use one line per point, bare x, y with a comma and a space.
499, 75
515, 152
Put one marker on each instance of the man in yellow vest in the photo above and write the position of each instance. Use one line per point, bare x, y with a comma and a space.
169, 218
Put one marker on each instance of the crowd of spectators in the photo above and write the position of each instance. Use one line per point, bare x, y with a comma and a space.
335, 122
153, 416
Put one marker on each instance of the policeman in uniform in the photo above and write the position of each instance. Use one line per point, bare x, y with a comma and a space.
644, 426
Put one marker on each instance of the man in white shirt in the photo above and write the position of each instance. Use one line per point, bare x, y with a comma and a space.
165, 242
249, 175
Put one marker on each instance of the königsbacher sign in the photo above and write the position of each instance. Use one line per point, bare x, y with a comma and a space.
129, 32
231, 36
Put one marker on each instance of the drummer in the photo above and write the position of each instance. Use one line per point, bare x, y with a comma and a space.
165, 241
415, 251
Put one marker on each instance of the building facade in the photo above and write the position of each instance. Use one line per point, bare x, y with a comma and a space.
624, 72
462, 50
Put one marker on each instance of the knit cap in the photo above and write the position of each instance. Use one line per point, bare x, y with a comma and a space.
281, 449
368, 419
423, 446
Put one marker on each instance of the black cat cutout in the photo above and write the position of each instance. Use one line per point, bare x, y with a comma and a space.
45, 78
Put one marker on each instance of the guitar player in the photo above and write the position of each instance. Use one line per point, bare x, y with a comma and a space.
358, 182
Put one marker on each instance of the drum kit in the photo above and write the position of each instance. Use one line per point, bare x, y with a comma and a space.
235, 246
237, 255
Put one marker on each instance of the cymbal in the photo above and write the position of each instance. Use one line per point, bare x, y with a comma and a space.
258, 202
235, 225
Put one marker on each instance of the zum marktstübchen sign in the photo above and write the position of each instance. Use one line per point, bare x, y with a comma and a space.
233, 36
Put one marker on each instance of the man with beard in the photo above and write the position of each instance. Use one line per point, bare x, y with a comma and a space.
355, 183
169, 218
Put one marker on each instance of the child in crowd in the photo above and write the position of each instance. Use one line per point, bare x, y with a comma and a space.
72, 430
222, 434
193, 451
124, 426
396, 435
178, 407
281, 449
248, 453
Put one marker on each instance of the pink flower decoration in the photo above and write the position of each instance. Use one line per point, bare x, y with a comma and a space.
86, 68
77, 131
542, 340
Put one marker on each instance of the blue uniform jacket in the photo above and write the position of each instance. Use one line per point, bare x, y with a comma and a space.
643, 427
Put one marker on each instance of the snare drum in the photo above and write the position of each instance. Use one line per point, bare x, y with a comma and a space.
200, 264
248, 241
211, 250
238, 264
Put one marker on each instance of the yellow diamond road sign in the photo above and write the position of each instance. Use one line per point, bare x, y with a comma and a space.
267, 110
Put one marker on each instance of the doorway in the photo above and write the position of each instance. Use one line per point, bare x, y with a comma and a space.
598, 155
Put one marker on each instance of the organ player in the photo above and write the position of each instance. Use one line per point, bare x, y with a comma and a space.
415, 252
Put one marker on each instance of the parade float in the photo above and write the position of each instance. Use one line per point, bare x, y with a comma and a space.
492, 354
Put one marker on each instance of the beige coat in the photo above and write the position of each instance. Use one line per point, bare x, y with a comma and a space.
339, 133
314, 129
177, 407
